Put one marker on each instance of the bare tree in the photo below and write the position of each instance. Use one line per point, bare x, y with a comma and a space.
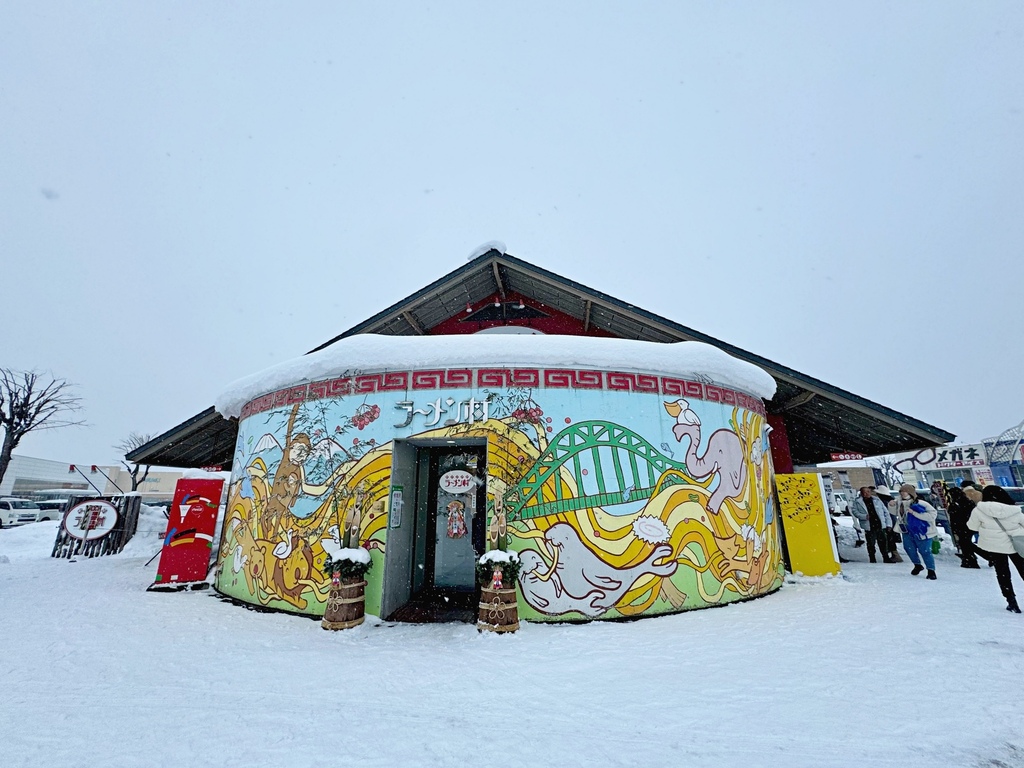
890, 469
129, 444
30, 401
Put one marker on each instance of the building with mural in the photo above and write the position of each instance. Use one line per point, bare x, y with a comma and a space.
636, 480
633, 473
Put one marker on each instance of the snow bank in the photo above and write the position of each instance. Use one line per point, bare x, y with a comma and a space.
35, 541
28, 542
371, 352
149, 533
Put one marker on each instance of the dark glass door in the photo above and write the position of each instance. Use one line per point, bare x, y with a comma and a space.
457, 507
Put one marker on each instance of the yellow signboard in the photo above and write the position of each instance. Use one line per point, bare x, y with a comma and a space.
805, 520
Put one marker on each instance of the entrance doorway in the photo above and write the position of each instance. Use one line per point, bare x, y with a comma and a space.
438, 533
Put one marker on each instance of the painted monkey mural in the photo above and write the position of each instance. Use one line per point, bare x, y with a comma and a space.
606, 524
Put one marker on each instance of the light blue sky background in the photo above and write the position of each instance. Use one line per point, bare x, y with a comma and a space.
190, 192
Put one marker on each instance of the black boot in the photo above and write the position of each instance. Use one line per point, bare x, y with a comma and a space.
931, 576
1011, 605
917, 570
871, 558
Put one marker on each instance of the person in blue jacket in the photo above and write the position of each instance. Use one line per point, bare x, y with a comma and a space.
916, 520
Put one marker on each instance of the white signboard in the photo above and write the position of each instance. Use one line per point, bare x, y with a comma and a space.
90, 519
952, 456
456, 482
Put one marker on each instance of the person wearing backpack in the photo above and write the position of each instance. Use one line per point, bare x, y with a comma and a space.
916, 519
1000, 526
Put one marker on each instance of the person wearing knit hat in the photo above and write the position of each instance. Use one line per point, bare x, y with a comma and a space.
916, 519
1000, 526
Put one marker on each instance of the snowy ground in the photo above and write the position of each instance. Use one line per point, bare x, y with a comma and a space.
877, 669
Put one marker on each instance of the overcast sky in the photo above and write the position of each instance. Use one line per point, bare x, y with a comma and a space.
191, 192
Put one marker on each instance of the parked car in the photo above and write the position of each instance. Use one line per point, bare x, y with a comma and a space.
17, 512
841, 502
53, 509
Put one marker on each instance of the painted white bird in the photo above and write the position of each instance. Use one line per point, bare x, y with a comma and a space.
239, 560
284, 548
680, 409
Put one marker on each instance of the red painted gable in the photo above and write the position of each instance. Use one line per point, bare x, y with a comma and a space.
513, 310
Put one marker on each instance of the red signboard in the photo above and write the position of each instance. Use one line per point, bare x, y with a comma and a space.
847, 456
191, 525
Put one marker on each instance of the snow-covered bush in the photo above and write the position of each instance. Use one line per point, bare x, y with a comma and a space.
348, 563
509, 562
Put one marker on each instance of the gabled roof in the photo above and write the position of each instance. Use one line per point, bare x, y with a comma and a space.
821, 419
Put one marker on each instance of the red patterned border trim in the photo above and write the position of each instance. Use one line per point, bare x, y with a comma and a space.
551, 378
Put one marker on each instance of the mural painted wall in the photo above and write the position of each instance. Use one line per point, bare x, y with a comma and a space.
625, 494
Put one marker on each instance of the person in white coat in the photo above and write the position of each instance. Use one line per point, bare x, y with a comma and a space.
996, 519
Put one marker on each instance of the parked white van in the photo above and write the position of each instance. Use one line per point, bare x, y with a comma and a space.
52, 509
841, 503
17, 512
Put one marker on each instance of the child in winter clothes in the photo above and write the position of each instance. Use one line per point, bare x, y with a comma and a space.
917, 546
996, 519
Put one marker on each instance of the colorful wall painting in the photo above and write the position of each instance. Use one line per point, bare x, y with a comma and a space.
625, 494
808, 527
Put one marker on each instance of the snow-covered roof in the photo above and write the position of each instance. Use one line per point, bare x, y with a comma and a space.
365, 353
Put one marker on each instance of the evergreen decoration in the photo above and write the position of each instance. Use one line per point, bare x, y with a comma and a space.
346, 569
509, 572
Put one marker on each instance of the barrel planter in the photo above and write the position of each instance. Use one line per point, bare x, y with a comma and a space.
498, 610
496, 573
345, 605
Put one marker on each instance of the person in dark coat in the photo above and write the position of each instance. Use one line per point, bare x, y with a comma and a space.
960, 508
892, 538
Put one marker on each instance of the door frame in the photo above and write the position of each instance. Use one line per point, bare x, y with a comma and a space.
415, 507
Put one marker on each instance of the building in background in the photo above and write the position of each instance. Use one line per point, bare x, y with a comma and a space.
157, 487
948, 463
1006, 456
39, 479
31, 478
